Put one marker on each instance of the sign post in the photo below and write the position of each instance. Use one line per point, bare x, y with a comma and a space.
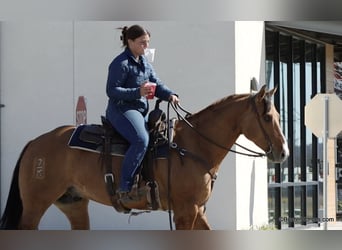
324, 106
325, 159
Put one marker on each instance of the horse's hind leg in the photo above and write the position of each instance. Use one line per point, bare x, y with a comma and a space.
76, 210
32, 214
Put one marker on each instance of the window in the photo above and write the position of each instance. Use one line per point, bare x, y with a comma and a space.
296, 66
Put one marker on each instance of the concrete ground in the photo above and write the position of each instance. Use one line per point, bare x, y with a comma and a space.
330, 226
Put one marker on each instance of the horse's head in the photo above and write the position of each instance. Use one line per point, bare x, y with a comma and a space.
261, 125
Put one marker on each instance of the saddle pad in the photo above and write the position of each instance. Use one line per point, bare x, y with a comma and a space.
76, 142
116, 149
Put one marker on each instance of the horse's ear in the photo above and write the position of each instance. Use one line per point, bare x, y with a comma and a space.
271, 92
261, 94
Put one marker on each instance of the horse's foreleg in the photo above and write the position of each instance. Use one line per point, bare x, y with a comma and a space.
201, 222
77, 213
185, 216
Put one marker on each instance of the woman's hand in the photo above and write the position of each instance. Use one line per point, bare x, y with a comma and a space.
145, 89
174, 99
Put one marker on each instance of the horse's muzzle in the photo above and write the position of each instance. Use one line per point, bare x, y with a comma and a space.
279, 155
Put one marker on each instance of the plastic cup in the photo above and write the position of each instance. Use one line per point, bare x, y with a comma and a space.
153, 89
149, 53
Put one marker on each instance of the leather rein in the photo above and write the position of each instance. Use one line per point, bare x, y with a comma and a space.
251, 153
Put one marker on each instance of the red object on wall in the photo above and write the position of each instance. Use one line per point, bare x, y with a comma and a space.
81, 111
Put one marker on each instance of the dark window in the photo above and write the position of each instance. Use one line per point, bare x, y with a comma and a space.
296, 66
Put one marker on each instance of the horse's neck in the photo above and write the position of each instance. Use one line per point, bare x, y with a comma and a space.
220, 123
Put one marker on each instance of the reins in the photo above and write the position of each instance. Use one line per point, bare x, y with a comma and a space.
184, 118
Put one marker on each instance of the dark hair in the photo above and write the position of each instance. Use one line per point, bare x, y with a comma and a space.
132, 33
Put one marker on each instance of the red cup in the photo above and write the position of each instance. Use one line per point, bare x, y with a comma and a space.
153, 89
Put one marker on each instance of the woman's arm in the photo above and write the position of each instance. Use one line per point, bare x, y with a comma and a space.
117, 77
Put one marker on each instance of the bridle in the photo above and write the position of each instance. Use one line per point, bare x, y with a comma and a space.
251, 153
253, 102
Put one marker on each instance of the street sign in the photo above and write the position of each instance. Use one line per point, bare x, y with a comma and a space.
322, 117
81, 111
314, 113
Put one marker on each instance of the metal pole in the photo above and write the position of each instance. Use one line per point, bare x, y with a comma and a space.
1, 106
325, 160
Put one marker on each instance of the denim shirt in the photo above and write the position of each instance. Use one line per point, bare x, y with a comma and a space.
125, 76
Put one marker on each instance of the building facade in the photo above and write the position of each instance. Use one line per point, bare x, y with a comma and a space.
302, 58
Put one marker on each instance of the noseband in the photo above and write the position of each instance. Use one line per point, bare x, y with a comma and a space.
255, 110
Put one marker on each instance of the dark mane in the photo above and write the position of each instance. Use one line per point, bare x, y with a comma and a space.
222, 103
268, 105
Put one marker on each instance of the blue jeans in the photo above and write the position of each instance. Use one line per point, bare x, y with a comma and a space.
131, 124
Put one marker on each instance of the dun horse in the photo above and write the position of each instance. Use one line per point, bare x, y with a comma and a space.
48, 168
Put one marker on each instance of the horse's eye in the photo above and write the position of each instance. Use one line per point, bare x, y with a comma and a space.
267, 118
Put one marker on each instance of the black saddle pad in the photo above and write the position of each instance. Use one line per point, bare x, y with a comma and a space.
90, 138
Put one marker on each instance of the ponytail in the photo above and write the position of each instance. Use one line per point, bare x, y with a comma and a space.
123, 36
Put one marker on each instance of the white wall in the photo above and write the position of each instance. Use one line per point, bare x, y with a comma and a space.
36, 86
251, 173
45, 66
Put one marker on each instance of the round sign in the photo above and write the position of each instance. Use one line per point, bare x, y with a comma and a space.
315, 115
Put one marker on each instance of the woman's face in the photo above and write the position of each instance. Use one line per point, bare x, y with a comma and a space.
138, 45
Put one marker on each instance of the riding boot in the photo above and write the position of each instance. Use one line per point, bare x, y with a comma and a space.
133, 197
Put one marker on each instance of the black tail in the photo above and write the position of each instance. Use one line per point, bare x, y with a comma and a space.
14, 206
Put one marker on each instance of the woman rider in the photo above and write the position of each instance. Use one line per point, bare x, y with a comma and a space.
127, 107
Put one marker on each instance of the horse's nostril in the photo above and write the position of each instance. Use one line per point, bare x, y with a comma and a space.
284, 154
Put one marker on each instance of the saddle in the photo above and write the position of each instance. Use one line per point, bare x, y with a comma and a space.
90, 137
106, 140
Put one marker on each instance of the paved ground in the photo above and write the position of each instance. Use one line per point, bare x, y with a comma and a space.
330, 226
